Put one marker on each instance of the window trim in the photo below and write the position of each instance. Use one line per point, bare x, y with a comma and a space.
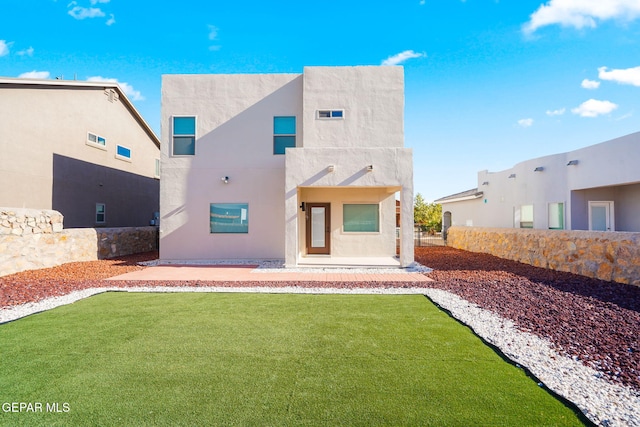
330, 111
103, 213
96, 143
120, 156
549, 216
240, 205
379, 225
275, 135
173, 135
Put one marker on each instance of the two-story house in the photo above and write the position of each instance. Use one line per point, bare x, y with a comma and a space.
80, 148
301, 167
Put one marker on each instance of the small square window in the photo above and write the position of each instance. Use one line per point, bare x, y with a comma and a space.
361, 218
100, 213
284, 133
229, 217
184, 136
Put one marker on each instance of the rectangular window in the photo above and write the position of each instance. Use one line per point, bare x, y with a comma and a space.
157, 171
229, 217
100, 213
330, 114
556, 216
96, 140
284, 133
361, 218
123, 153
184, 136
526, 216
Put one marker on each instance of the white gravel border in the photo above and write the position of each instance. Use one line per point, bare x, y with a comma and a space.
604, 403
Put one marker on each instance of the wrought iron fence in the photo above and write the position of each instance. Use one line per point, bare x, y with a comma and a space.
426, 238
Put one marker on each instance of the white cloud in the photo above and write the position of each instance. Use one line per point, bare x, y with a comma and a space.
558, 112
111, 20
94, 2
594, 108
581, 13
79, 12
630, 76
4, 47
135, 95
590, 84
213, 35
402, 56
35, 75
525, 123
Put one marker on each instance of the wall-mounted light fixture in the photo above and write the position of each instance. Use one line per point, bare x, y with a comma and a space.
225, 179
513, 175
302, 206
331, 168
370, 168
572, 163
539, 169
485, 183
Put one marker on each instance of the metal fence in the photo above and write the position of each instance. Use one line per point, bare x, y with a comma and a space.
426, 238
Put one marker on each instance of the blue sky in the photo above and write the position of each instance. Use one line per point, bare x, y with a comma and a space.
488, 83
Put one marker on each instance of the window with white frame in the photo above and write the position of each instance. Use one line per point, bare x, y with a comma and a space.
123, 153
96, 140
330, 114
157, 170
361, 218
101, 213
284, 133
556, 216
184, 136
524, 216
229, 217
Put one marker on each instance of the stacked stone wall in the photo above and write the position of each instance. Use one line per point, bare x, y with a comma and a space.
611, 256
32, 239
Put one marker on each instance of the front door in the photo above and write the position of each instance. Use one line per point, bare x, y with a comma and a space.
601, 216
318, 224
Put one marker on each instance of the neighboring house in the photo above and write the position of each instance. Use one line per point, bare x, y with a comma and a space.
593, 188
302, 167
80, 148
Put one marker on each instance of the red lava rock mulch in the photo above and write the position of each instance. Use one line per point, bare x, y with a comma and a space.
591, 320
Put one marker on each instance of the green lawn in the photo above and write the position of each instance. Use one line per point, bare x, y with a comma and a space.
259, 359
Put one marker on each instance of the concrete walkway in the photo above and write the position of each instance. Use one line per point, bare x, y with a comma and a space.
217, 273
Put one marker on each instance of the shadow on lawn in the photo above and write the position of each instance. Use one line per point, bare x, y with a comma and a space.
444, 258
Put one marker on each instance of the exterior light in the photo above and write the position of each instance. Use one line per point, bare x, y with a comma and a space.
513, 175
539, 169
331, 168
485, 183
225, 179
572, 163
370, 168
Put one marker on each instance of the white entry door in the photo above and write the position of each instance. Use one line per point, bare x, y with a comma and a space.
601, 216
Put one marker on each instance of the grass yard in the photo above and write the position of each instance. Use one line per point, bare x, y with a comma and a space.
261, 359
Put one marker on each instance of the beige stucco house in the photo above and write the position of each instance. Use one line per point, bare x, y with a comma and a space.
80, 148
301, 167
593, 188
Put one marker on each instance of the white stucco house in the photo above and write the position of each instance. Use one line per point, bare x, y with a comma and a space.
80, 148
594, 188
301, 167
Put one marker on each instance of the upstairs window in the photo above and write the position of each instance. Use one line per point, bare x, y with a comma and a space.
96, 140
123, 153
184, 136
330, 114
284, 133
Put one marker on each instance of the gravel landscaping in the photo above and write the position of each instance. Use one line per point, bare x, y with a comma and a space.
533, 315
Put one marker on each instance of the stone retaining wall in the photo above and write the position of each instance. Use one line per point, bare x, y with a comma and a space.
32, 239
611, 256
